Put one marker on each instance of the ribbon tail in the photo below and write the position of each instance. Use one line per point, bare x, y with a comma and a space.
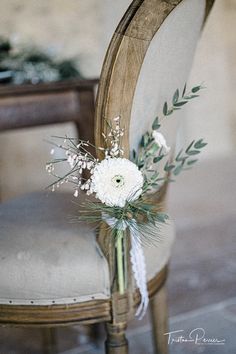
139, 271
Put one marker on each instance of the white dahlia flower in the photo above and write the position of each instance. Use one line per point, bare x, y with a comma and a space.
116, 180
160, 141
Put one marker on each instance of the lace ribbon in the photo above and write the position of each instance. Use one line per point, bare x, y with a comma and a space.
137, 260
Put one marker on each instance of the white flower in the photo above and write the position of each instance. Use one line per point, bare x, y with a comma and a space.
116, 180
160, 141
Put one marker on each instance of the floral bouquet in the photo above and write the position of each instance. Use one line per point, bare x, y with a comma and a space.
123, 187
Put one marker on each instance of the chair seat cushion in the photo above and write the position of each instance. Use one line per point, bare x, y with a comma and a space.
46, 257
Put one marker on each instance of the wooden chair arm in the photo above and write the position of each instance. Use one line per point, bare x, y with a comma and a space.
33, 105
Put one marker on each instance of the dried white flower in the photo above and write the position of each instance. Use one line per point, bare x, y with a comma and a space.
76, 193
116, 181
160, 141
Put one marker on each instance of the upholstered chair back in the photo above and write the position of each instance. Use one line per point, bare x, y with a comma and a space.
149, 57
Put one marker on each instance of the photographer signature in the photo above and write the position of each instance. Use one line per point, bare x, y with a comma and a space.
196, 336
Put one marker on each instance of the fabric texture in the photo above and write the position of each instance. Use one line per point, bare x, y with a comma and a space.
46, 256
166, 67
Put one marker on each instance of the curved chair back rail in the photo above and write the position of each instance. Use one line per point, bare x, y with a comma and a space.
135, 39
125, 77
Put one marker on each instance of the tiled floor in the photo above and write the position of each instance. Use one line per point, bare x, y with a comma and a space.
202, 286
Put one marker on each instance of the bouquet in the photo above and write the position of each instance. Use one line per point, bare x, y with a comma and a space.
123, 187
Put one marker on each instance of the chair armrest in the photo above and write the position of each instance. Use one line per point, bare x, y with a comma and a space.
33, 105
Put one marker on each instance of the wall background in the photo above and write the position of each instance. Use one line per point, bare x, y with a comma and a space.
82, 30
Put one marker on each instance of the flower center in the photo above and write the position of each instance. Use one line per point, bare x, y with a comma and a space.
118, 181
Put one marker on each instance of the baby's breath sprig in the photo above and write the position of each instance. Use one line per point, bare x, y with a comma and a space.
113, 138
78, 159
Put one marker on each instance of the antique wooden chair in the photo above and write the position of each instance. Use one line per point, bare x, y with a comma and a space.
52, 272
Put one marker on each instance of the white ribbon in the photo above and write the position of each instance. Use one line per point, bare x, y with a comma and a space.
139, 270
137, 261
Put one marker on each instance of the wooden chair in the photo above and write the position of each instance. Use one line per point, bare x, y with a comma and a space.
52, 272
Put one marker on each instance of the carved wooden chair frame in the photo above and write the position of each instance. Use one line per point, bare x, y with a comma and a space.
117, 85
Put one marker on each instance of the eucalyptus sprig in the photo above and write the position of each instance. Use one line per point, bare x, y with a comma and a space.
185, 159
150, 153
178, 101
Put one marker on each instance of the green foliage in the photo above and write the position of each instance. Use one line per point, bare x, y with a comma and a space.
150, 153
31, 65
156, 125
183, 159
179, 101
139, 214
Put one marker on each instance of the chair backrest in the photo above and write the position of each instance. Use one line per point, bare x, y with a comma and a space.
149, 56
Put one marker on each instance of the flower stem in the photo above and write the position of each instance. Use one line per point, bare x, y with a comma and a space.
120, 264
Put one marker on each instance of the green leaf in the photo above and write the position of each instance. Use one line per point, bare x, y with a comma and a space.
178, 157
134, 154
196, 89
184, 90
165, 109
158, 158
154, 176
179, 104
177, 170
193, 152
192, 96
145, 140
168, 167
175, 97
200, 144
140, 163
153, 149
162, 217
147, 206
170, 112
190, 145
156, 125
191, 162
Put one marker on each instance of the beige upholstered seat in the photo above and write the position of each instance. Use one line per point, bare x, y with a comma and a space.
47, 258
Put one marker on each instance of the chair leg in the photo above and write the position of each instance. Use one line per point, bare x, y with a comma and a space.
95, 334
116, 342
159, 317
49, 340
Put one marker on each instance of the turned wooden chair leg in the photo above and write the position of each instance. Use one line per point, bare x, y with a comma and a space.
116, 342
159, 317
49, 340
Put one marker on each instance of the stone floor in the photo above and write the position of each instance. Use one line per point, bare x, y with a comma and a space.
202, 286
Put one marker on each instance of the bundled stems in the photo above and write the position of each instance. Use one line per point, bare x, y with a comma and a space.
120, 261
